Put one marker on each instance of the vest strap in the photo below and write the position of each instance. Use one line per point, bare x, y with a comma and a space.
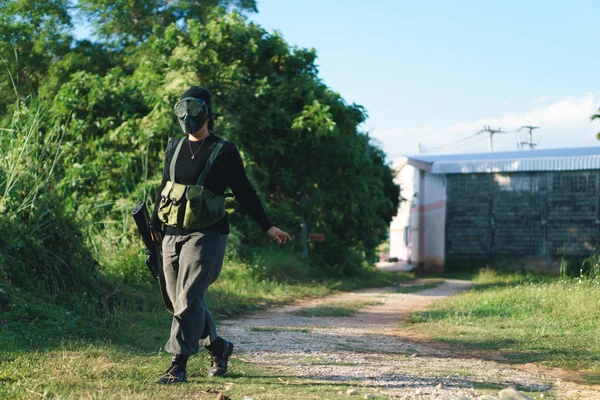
209, 163
174, 160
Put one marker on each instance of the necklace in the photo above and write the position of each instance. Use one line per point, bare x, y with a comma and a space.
195, 152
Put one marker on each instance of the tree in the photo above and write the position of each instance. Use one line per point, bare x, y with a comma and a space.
33, 35
131, 22
299, 139
36, 42
597, 116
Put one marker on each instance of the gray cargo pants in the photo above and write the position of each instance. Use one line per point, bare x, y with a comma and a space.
191, 263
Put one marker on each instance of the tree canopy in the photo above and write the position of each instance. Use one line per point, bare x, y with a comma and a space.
129, 22
113, 100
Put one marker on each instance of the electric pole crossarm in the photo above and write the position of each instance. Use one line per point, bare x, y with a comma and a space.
530, 141
491, 133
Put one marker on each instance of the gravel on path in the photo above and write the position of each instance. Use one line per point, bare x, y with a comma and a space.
366, 350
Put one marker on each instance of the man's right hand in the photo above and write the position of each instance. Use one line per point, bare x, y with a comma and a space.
157, 237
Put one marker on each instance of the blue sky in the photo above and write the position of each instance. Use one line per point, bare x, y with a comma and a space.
437, 71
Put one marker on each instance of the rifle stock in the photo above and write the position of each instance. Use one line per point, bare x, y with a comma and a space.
153, 259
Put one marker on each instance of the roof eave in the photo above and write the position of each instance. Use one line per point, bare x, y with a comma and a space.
423, 165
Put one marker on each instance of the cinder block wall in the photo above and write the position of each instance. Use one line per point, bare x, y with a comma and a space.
541, 215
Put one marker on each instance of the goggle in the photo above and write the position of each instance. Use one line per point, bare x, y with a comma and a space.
191, 106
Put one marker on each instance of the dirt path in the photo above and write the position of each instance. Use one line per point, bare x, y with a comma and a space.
366, 352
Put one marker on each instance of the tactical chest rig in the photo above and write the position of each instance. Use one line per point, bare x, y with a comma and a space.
201, 208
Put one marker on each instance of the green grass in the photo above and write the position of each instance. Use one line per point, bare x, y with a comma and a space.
110, 372
337, 309
430, 284
278, 329
523, 318
326, 311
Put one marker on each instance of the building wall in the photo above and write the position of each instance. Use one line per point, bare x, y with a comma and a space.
541, 215
417, 231
431, 213
400, 235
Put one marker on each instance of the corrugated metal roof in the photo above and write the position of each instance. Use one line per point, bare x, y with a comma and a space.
567, 159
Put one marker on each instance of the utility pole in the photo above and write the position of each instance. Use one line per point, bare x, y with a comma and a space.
530, 142
303, 227
419, 149
491, 133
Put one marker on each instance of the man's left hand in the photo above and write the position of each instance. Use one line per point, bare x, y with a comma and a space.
278, 235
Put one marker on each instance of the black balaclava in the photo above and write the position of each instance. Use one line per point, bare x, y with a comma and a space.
189, 123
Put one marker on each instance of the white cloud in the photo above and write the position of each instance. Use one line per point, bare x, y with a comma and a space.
563, 123
541, 100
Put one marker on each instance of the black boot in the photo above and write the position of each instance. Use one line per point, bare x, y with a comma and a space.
175, 372
220, 351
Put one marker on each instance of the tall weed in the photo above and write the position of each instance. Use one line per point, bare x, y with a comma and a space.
42, 248
590, 267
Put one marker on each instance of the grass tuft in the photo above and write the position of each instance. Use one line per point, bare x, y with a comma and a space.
278, 329
338, 309
431, 283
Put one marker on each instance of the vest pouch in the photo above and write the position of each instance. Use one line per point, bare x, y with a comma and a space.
164, 207
171, 200
193, 208
215, 205
203, 208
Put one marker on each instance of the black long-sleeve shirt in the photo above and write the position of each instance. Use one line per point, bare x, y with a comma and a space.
227, 171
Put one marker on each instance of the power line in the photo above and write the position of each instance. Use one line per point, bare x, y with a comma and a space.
451, 143
490, 131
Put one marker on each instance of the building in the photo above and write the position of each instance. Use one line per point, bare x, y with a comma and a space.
535, 206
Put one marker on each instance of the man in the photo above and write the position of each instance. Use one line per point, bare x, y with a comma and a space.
190, 212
